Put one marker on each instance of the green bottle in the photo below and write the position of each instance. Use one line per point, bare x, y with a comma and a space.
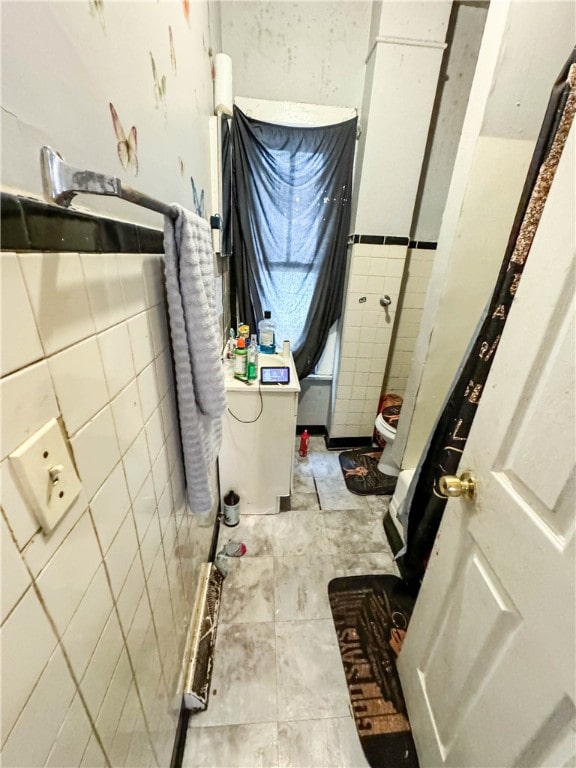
253, 359
240, 359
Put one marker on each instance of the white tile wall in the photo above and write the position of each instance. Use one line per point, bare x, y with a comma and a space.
116, 354
103, 288
65, 579
13, 588
418, 270
136, 463
155, 434
28, 402
38, 724
41, 548
131, 271
164, 370
148, 388
110, 712
161, 473
109, 506
79, 369
22, 521
131, 592
120, 743
121, 553
96, 450
20, 341
88, 623
366, 330
141, 341
127, 413
94, 615
59, 298
93, 756
73, 737
369, 349
144, 508
24, 656
96, 679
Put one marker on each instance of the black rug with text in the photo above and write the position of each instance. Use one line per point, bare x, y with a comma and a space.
371, 615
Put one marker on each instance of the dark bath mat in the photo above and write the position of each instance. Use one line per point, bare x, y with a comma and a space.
371, 614
360, 470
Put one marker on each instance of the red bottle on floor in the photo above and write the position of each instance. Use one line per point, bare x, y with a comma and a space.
304, 438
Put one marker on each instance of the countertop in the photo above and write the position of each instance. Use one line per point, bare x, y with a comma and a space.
276, 360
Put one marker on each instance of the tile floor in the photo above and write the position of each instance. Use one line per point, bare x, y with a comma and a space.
279, 696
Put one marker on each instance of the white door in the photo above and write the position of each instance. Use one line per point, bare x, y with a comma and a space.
488, 664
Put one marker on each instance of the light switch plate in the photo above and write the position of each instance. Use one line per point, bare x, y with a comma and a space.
46, 474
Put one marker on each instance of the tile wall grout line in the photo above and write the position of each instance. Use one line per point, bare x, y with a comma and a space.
125, 646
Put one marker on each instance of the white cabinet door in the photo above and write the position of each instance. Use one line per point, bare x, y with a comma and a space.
258, 448
488, 664
258, 438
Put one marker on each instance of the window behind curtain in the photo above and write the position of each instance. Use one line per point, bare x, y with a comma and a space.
291, 218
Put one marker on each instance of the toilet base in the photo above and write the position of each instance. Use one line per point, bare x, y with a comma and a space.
387, 465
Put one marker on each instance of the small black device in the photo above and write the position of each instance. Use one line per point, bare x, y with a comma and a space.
275, 375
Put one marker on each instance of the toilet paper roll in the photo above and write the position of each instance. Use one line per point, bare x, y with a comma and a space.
223, 93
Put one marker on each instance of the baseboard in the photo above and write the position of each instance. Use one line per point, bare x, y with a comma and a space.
202, 640
341, 443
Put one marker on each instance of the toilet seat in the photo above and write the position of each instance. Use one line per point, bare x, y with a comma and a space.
385, 430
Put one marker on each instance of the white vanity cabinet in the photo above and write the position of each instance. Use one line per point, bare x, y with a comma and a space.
258, 439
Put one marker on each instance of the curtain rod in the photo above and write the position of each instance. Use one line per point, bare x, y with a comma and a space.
62, 182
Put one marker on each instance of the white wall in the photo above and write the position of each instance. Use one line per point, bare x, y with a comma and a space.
526, 71
394, 139
303, 51
464, 35
293, 113
503, 118
61, 66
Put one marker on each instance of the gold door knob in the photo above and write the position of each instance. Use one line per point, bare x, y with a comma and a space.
465, 485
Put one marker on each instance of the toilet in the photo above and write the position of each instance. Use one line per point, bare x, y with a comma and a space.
386, 465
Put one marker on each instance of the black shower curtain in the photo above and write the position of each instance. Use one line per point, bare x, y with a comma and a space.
426, 506
292, 188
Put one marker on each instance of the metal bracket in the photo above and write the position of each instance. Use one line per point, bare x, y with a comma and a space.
61, 182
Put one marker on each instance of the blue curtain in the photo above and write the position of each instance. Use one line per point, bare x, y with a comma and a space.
292, 191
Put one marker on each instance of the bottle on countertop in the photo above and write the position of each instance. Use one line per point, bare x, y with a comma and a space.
240, 359
231, 509
267, 334
231, 345
252, 369
304, 439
